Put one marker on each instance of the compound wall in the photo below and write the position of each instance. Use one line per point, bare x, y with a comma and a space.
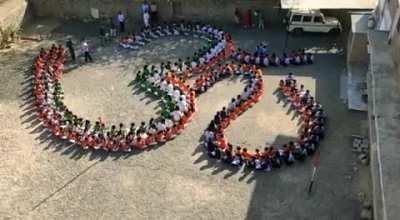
210, 10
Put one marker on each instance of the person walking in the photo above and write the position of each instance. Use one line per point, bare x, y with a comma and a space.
261, 21
254, 18
145, 8
113, 29
146, 19
86, 51
238, 16
247, 19
153, 12
71, 49
121, 20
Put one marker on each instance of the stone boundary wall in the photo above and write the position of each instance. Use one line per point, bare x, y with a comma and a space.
206, 10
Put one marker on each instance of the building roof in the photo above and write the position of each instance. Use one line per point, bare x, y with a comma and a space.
329, 4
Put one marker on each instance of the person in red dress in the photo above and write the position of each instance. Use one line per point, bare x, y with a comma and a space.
247, 19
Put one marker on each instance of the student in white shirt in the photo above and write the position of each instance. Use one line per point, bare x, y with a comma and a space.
176, 115
176, 95
146, 19
161, 125
169, 123
182, 105
85, 49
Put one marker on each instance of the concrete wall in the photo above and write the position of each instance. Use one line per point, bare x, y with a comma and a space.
395, 43
214, 10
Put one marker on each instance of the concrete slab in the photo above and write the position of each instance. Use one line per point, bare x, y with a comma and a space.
385, 129
357, 86
44, 178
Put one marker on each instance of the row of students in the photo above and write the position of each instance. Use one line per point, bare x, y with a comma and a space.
215, 142
205, 32
311, 111
208, 78
293, 58
219, 46
64, 124
313, 117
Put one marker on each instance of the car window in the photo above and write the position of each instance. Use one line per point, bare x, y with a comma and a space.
307, 19
318, 19
296, 18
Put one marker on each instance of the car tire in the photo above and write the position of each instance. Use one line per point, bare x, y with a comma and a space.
297, 31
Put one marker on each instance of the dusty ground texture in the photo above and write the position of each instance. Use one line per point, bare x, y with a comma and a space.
46, 178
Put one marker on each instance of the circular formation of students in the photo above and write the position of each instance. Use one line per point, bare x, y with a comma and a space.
167, 82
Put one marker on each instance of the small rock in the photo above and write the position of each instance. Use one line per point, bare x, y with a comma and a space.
355, 169
362, 156
361, 196
366, 214
366, 205
365, 162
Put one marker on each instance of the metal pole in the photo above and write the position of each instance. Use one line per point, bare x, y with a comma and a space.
312, 180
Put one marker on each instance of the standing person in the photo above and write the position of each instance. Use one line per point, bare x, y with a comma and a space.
144, 8
113, 29
255, 17
71, 49
238, 17
247, 19
121, 20
146, 19
260, 21
86, 51
153, 12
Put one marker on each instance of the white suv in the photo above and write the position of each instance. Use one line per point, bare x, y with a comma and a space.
299, 21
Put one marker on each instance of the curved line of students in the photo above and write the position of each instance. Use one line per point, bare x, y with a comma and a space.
262, 58
215, 142
208, 78
57, 118
219, 45
312, 116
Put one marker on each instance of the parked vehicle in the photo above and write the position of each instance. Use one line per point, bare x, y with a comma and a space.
299, 20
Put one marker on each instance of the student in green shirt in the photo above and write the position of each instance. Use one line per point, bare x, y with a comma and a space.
255, 17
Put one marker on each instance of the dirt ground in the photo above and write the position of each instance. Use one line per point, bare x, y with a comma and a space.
44, 178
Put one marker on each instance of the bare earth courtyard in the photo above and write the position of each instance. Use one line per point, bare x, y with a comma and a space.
44, 178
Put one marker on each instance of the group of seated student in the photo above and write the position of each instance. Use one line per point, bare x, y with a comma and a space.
311, 111
133, 41
208, 78
313, 117
215, 142
210, 54
57, 118
261, 58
